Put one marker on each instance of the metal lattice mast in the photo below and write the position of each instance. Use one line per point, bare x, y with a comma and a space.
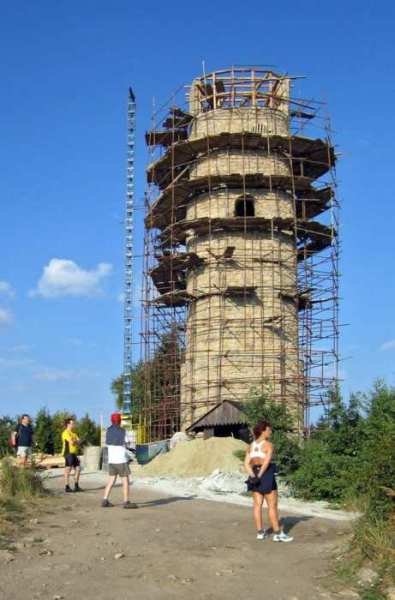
128, 275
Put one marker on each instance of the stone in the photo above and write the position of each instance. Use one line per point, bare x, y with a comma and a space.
348, 594
390, 593
366, 576
119, 555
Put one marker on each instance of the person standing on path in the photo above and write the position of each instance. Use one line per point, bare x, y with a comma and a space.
262, 481
118, 441
70, 448
23, 440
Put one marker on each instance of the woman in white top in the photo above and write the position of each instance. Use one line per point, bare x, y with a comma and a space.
262, 481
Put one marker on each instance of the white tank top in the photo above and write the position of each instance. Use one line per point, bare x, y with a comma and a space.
257, 450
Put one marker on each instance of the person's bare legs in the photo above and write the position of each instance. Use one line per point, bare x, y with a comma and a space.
77, 473
67, 471
258, 503
111, 481
272, 505
125, 488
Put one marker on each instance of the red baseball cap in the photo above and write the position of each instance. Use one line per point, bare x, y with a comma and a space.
116, 418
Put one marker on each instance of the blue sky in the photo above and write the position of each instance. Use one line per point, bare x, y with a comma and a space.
66, 67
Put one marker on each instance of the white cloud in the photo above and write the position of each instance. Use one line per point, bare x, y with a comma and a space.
52, 374
16, 362
390, 345
6, 316
6, 289
21, 348
63, 277
49, 374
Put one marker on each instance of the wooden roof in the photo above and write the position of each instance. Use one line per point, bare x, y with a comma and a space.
227, 412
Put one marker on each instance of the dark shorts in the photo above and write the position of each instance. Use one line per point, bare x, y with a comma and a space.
122, 469
265, 484
71, 460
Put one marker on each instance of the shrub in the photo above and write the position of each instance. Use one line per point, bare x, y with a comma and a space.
329, 458
16, 482
7, 425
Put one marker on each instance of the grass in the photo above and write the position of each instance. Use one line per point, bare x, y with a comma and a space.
20, 489
372, 546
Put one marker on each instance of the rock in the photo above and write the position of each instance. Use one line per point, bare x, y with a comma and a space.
366, 576
172, 577
57, 597
187, 580
348, 594
34, 521
390, 593
45, 553
119, 555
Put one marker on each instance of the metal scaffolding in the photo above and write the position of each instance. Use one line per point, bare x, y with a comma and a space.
241, 251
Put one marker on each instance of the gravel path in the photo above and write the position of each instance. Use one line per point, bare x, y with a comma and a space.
171, 548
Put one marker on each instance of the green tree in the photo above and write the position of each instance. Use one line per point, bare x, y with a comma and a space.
88, 431
329, 458
43, 432
261, 408
7, 426
138, 376
375, 472
156, 383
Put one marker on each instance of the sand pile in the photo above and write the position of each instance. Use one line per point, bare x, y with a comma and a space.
197, 458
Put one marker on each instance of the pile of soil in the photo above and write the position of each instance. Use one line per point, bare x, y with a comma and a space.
197, 458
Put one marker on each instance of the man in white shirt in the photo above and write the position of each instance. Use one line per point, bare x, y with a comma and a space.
118, 441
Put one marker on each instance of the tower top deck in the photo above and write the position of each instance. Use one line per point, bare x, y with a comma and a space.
239, 87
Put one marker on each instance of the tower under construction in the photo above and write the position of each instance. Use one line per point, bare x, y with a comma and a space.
241, 251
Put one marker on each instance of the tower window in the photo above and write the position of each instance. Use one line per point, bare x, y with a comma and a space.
244, 207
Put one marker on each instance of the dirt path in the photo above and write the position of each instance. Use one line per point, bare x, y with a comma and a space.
172, 548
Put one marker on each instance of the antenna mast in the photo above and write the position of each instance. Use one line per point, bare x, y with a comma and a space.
128, 274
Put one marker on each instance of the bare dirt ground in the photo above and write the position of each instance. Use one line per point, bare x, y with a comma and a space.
170, 548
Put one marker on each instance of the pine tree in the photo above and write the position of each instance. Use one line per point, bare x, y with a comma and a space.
43, 432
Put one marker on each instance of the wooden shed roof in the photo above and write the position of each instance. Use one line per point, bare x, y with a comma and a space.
227, 412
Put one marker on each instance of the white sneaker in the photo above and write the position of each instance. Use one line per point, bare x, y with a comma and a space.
282, 537
261, 535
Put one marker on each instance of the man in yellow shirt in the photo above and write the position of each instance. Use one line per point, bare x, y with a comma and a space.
70, 448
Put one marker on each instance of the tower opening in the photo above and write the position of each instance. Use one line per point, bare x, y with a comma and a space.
245, 207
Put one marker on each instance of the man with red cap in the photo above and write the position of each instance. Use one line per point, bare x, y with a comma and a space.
117, 441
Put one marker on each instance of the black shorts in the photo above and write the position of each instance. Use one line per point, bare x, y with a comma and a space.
265, 484
71, 460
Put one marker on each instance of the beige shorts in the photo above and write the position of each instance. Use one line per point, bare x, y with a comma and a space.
122, 469
24, 452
